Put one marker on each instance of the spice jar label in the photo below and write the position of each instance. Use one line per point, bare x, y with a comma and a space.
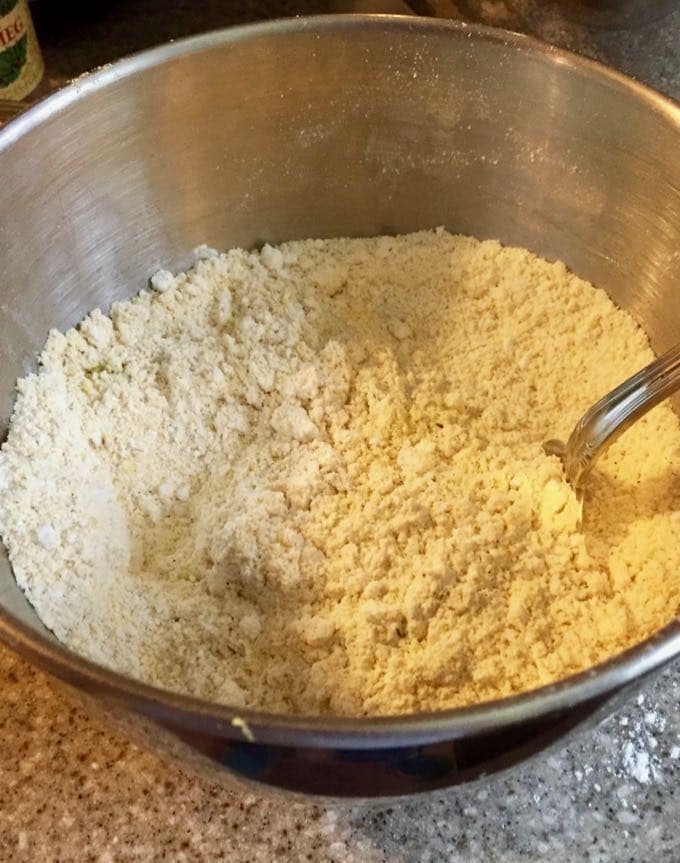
21, 65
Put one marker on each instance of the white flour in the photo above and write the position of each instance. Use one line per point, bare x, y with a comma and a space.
311, 479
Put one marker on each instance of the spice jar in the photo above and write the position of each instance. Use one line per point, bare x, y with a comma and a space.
21, 64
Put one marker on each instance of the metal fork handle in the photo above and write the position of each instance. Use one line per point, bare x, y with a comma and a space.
614, 413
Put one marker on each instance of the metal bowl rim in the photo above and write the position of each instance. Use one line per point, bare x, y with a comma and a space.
183, 711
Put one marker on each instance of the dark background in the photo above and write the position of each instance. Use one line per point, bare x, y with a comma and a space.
78, 36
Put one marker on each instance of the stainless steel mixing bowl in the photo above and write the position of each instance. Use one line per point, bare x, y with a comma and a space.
326, 127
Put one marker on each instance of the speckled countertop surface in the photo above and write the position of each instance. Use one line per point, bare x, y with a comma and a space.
70, 790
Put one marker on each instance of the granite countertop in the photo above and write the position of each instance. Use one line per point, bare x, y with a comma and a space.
71, 790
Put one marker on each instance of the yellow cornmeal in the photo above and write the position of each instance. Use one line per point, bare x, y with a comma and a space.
311, 479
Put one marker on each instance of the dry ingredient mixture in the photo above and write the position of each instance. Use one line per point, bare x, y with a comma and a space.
310, 479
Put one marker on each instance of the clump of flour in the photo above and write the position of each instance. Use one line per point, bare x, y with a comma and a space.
311, 479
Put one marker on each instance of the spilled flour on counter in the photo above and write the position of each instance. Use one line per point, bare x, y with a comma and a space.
311, 479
